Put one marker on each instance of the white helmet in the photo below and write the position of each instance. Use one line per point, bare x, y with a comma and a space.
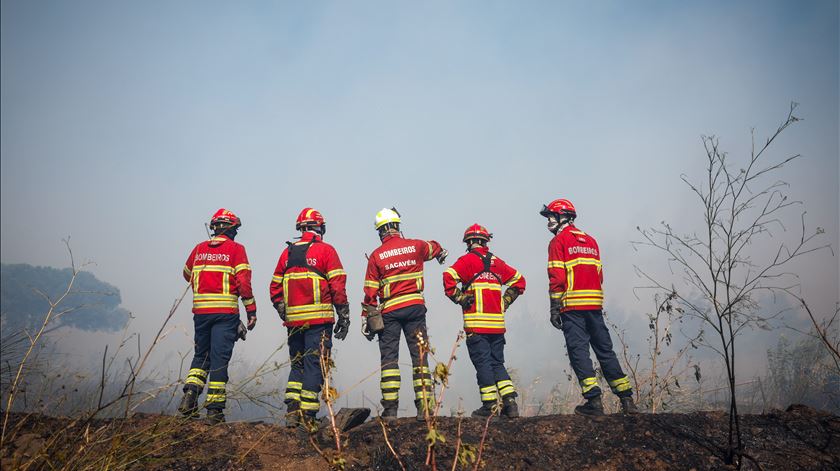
386, 216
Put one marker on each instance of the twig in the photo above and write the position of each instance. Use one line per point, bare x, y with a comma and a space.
388, 442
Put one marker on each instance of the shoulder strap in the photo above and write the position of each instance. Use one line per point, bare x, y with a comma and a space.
486, 261
297, 257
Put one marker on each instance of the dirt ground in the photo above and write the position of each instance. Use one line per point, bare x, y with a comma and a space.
799, 438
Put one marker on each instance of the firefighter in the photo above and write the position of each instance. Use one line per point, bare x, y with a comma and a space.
575, 277
219, 272
482, 276
394, 287
308, 283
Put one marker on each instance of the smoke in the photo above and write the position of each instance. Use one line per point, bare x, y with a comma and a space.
92, 305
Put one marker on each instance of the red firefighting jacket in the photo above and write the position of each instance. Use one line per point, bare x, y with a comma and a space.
219, 272
310, 293
485, 315
394, 274
574, 270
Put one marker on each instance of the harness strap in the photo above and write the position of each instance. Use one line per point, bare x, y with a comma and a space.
297, 257
486, 261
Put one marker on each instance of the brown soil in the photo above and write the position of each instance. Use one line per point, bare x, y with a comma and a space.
799, 438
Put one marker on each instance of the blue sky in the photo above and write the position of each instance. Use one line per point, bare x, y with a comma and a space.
126, 124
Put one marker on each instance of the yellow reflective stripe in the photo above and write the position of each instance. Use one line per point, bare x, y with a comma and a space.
294, 385
248, 301
198, 372
241, 266
277, 279
430, 250
304, 308
214, 297
556, 264
390, 396
486, 389
420, 369
305, 394
422, 382
216, 384
479, 298
583, 261
389, 385
213, 268
620, 384
334, 273
293, 395
558, 295
371, 284
490, 286
585, 292
454, 273
587, 384
302, 275
402, 277
211, 304
402, 299
514, 279
216, 398
390, 372
187, 270
194, 380
307, 405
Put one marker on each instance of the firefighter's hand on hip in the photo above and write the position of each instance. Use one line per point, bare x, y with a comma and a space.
281, 310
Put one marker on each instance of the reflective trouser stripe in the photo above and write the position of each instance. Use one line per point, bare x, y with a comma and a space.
216, 393
309, 400
586, 384
196, 376
505, 387
390, 384
488, 393
423, 386
293, 390
620, 385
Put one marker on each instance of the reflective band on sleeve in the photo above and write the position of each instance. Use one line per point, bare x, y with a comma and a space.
242, 266
334, 273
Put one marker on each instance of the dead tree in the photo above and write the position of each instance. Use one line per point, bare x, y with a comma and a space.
724, 268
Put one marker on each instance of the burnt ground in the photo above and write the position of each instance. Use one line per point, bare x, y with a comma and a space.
799, 438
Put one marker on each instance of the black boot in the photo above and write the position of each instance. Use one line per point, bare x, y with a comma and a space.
293, 414
189, 403
389, 411
592, 406
627, 405
509, 407
215, 416
423, 407
309, 422
486, 410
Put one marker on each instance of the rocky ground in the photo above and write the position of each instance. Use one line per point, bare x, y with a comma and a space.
799, 438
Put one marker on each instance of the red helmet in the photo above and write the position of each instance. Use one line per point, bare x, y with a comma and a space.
225, 217
477, 231
561, 207
309, 217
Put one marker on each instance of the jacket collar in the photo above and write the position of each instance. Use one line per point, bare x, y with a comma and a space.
306, 236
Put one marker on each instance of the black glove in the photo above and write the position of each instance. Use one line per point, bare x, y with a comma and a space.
342, 326
465, 300
281, 310
252, 320
556, 319
366, 331
241, 331
510, 296
442, 256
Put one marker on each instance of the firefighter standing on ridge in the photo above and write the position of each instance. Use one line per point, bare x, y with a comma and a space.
219, 272
575, 277
482, 275
308, 281
394, 278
